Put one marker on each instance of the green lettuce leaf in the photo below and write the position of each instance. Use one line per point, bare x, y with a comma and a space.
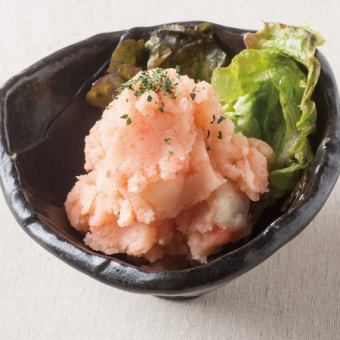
194, 50
266, 91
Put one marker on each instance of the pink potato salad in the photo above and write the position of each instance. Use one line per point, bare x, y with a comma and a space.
167, 174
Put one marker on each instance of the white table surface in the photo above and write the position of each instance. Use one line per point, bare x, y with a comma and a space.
293, 295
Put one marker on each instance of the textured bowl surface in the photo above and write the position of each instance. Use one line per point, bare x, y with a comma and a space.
43, 121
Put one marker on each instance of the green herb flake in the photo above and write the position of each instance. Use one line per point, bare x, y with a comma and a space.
161, 109
167, 140
219, 135
128, 121
124, 116
213, 119
149, 98
193, 95
220, 120
178, 68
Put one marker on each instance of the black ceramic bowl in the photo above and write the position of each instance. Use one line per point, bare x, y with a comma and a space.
44, 119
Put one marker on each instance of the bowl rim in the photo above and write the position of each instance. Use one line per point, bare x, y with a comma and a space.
188, 281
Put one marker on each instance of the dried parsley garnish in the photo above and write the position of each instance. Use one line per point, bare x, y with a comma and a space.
220, 120
127, 117
156, 80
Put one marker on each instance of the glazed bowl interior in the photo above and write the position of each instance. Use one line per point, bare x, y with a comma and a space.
44, 121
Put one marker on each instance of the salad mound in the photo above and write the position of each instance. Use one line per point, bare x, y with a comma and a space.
189, 140
167, 173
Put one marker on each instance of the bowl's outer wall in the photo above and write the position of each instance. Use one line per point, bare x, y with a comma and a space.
40, 111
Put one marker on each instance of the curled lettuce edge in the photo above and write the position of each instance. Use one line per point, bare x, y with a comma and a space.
299, 43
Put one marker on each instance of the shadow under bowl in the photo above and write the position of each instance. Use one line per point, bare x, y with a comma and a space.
43, 121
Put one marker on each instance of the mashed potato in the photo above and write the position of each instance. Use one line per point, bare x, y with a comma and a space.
167, 173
